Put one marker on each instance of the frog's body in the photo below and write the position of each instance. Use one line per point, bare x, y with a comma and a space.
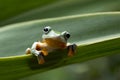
51, 41
55, 43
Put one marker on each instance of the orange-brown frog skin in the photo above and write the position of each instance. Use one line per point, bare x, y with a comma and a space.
51, 41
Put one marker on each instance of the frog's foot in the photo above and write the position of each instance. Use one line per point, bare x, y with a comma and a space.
72, 49
28, 51
40, 58
44, 52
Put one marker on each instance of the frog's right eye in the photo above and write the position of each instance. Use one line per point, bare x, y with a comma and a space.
47, 29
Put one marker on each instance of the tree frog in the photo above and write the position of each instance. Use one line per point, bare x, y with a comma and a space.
51, 41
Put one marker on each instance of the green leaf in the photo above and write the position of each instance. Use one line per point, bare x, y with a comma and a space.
54, 8
11, 8
96, 35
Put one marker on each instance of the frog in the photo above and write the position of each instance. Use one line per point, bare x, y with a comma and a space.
51, 41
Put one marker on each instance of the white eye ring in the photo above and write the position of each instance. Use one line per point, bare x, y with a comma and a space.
66, 35
47, 29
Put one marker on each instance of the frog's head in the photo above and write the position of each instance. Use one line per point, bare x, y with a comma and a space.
51, 34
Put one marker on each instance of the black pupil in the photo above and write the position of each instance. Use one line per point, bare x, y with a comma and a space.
67, 35
46, 29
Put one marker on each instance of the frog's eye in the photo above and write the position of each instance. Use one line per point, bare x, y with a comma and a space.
47, 29
66, 35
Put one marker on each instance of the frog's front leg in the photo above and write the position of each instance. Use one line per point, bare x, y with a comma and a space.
37, 50
71, 49
40, 58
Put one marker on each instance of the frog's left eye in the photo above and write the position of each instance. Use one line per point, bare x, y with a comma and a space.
66, 35
47, 29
